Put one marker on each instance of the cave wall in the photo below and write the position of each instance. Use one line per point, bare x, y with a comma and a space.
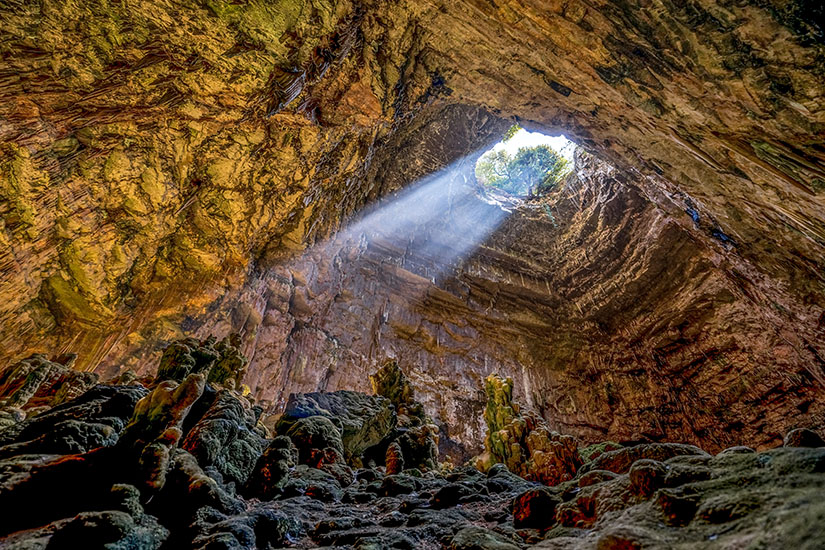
161, 165
616, 320
148, 156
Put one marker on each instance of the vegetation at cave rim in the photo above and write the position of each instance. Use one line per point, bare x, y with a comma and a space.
531, 170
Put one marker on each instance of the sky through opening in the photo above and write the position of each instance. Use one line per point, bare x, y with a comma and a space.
523, 138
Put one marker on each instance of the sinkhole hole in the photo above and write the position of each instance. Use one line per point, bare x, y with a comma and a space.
524, 163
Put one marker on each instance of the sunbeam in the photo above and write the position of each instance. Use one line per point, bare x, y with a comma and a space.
443, 218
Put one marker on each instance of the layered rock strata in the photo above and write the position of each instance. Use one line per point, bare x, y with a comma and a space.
613, 316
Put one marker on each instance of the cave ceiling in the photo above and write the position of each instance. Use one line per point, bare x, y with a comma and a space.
172, 169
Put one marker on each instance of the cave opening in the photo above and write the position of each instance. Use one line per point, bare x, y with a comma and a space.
432, 225
525, 163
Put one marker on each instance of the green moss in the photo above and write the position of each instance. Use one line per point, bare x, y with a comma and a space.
65, 301
390, 382
592, 452
67, 146
117, 166
71, 260
151, 185
19, 179
260, 23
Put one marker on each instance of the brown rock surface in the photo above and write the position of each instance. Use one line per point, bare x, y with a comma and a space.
162, 166
138, 489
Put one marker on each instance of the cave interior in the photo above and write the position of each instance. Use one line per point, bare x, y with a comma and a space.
257, 289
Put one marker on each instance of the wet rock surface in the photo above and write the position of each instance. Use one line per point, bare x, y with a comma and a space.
187, 465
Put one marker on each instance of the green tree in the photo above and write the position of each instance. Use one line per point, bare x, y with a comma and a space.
532, 169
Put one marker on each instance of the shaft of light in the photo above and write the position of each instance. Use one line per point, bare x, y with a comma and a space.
440, 220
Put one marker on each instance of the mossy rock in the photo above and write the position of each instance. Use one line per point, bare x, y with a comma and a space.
592, 452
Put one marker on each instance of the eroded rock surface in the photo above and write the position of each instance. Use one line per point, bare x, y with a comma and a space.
522, 441
159, 164
351, 421
173, 477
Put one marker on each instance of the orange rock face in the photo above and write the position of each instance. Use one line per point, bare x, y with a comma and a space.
165, 170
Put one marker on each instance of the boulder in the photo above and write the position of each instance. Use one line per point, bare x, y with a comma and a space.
419, 446
646, 476
620, 460
223, 438
314, 483
65, 437
502, 480
362, 420
452, 494
272, 469
595, 476
395, 485
92, 420
678, 505
802, 437
478, 538
737, 450
535, 508
317, 439
111, 529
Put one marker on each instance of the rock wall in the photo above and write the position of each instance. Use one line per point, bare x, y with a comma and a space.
616, 319
148, 155
162, 166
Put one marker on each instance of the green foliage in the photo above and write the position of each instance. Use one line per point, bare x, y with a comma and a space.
532, 169
508, 135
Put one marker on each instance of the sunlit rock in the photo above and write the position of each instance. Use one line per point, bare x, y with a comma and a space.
522, 441
222, 362
36, 381
214, 206
155, 429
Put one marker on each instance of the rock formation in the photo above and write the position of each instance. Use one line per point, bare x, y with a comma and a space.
522, 441
188, 465
184, 196
161, 163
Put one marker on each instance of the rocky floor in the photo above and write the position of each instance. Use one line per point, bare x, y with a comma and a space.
186, 461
